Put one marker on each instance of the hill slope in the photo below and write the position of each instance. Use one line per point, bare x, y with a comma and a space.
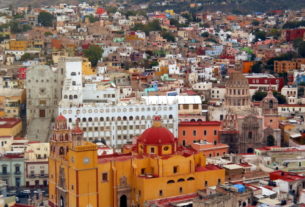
244, 6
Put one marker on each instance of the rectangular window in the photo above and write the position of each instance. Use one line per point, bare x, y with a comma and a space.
194, 132
143, 171
185, 106
152, 150
4, 169
105, 177
205, 132
183, 133
160, 193
215, 132
196, 106
175, 169
206, 183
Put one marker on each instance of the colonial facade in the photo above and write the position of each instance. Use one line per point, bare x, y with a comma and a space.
245, 126
154, 167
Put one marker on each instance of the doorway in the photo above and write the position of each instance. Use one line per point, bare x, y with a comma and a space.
123, 201
42, 113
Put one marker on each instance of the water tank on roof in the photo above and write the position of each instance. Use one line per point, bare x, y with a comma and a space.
240, 188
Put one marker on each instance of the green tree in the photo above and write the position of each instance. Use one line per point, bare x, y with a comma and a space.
257, 67
16, 27
259, 35
275, 33
255, 23
45, 19
94, 54
92, 18
150, 26
48, 34
259, 95
28, 56
168, 36
281, 99
296, 43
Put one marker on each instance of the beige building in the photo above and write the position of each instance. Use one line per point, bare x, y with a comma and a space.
36, 165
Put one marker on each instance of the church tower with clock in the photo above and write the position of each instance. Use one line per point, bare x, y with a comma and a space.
68, 180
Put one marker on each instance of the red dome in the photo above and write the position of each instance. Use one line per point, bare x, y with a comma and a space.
60, 118
156, 136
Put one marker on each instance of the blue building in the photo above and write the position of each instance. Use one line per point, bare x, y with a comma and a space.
12, 170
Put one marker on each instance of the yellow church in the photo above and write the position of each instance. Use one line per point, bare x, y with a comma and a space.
153, 168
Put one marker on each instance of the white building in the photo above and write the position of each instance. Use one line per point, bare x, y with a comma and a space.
291, 94
102, 116
119, 124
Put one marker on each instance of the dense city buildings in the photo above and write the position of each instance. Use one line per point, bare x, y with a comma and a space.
152, 104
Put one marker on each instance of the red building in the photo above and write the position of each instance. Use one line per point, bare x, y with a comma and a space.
293, 34
22, 73
202, 136
264, 81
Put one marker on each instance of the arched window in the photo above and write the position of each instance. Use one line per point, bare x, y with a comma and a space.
270, 104
170, 116
191, 178
131, 118
61, 151
90, 119
137, 117
84, 119
75, 96
119, 118
101, 118
65, 97
70, 97
66, 137
124, 118
180, 180
170, 182
250, 135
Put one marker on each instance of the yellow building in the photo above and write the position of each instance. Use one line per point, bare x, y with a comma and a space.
18, 44
10, 127
155, 167
10, 101
87, 69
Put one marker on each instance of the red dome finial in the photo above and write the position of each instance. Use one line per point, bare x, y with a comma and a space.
157, 118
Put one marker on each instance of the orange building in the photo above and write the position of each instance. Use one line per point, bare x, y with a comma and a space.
284, 66
202, 136
247, 65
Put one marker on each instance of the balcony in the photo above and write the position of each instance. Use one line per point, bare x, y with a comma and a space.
4, 173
